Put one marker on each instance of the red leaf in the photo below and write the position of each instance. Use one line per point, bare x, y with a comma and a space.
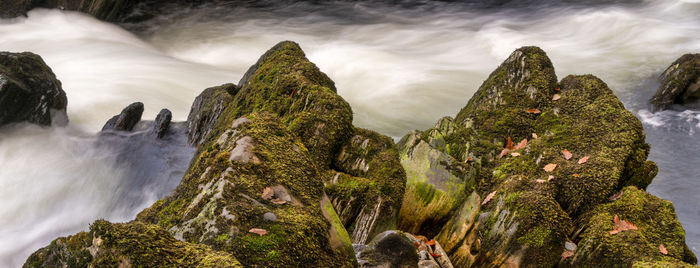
258, 231
268, 193
434, 255
567, 154
430, 242
567, 253
504, 152
509, 144
622, 225
549, 167
488, 198
520, 145
583, 159
575, 175
556, 97
533, 111
663, 249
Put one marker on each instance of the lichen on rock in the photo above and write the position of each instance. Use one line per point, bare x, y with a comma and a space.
680, 83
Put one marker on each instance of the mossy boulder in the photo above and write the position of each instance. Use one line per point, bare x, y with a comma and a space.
221, 198
680, 83
125, 245
512, 210
29, 91
366, 184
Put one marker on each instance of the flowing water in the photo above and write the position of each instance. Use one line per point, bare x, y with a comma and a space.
401, 65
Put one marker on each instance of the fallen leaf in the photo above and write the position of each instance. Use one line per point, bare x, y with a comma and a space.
567, 253
556, 97
534, 135
540, 181
416, 245
575, 175
278, 201
557, 89
550, 178
268, 193
509, 144
435, 255
468, 159
567, 154
430, 242
622, 225
504, 152
549, 167
258, 231
520, 144
488, 198
514, 154
616, 196
663, 249
583, 159
533, 111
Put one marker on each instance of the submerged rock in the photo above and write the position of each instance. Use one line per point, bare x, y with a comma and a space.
29, 91
680, 83
131, 244
127, 119
500, 204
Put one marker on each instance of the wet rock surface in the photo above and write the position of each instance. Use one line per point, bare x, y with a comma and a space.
127, 119
29, 91
680, 83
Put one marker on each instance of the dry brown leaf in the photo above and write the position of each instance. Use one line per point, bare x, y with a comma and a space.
663, 249
520, 144
540, 181
509, 144
583, 159
430, 242
534, 135
435, 255
514, 154
550, 167
622, 225
557, 89
567, 253
575, 175
533, 111
258, 231
278, 201
550, 178
616, 196
567, 154
556, 97
488, 198
268, 193
504, 152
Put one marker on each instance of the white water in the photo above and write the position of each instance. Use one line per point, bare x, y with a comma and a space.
401, 68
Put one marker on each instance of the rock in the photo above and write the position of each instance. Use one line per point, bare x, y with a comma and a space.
527, 217
270, 216
126, 245
680, 83
127, 119
428, 264
389, 249
29, 91
205, 112
112, 10
570, 246
14, 8
162, 123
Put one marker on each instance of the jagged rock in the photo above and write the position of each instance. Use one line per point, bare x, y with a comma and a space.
367, 184
126, 245
219, 200
162, 123
127, 119
528, 215
680, 83
205, 111
29, 91
389, 249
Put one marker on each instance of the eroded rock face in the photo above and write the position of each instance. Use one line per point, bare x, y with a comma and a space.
519, 214
131, 244
29, 91
205, 111
680, 83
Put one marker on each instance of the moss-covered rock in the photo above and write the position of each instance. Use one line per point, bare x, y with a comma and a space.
29, 91
680, 83
221, 198
530, 212
126, 245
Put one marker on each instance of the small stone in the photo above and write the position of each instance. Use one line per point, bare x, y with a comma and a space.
270, 216
570, 246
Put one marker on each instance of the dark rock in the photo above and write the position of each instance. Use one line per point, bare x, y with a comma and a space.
680, 83
162, 123
205, 111
107, 10
127, 119
389, 249
14, 8
29, 91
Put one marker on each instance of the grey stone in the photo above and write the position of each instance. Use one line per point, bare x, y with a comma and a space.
162, 123
127, 119
270, 216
